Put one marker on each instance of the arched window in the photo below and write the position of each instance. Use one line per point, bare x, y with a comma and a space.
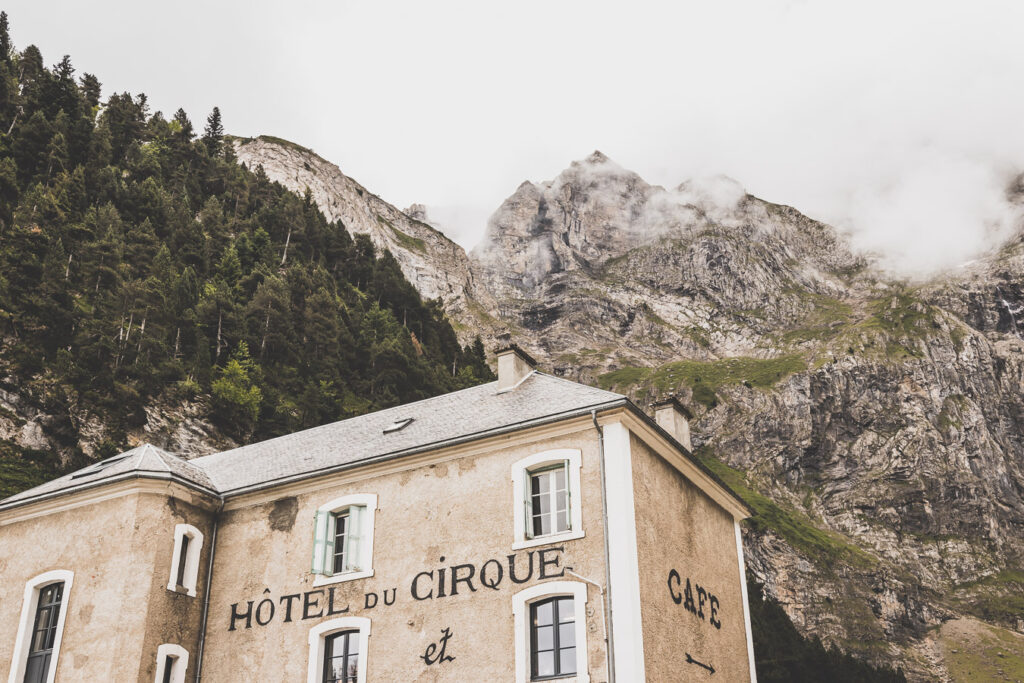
188, 544
41, 627
546, 496
343, 539
338, 651
171, 663
551, 632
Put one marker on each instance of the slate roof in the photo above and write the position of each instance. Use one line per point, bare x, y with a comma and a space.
450, 418
144, 460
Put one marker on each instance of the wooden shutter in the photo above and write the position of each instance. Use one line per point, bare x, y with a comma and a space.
320, 529
568, 496
354, 538
527, 505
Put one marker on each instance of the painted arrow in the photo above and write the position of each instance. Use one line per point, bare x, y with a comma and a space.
691, 660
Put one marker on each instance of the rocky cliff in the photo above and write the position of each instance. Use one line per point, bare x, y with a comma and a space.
874, 424
435, 265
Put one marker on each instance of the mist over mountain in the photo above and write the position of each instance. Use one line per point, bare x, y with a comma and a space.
872, 422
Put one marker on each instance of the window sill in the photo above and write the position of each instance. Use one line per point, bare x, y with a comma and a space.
546, 540
182, 590
322, 580
556, 679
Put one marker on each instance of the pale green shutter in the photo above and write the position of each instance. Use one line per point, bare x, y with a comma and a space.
568, 496
320, 542
332, 521
354, 538
527, 507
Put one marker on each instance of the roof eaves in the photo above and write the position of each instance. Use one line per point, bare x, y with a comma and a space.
650, 422
422, 448
125, 476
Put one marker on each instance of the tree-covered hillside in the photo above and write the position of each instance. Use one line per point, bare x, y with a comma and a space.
140, 266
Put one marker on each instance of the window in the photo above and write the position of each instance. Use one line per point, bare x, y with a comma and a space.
546, 491
188, 543
338, 651
41, 627
341, 657
343, 539
552, 638
44, 632
551, 632
171, 663
549, 500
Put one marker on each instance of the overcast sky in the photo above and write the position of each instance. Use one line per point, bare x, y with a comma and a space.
901, 121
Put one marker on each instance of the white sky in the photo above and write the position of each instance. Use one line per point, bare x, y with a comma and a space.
899, 120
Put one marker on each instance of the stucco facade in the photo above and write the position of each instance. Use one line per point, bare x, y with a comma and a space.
446, 584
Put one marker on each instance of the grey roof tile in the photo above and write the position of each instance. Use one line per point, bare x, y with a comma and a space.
460, 415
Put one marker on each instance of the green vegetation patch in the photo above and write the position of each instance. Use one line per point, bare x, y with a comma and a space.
998, 598
286, 143
23, 468
704, 377
407, 241
821, 546
976, 652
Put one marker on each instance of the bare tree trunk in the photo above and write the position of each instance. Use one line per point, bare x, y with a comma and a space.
287, 241
67, 271
220, 319
266, 327
142, 333
177, 344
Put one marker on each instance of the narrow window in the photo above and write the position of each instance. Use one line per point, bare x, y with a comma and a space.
168, 669
343, 539
183, 561
549, 501
341, 657
44, 632
552, 638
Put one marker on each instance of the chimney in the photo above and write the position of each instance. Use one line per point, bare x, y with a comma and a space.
674, 418
514, 365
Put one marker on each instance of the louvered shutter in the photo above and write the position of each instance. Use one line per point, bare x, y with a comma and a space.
568, 497
354, 538
320, 529
527, 505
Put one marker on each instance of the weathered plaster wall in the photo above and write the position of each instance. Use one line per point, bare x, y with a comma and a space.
430, 517
680, 528
119, 608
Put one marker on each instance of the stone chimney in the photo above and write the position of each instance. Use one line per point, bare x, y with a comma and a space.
674, 418
514, 365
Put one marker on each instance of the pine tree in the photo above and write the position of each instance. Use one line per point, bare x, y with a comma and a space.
213, 134
5, 39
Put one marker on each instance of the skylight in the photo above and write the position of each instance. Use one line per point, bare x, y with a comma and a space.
397, 425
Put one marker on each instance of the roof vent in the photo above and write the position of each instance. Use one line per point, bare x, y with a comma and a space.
674, 418
514, 365
100, 466
398, 425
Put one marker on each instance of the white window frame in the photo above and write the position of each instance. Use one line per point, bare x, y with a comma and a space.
180, 666
521, 602
520, 469
318, 634
28, 612
368, 501
195, 547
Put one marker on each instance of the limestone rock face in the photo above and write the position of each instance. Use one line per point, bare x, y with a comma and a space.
435, 265
882, 419
874, 424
